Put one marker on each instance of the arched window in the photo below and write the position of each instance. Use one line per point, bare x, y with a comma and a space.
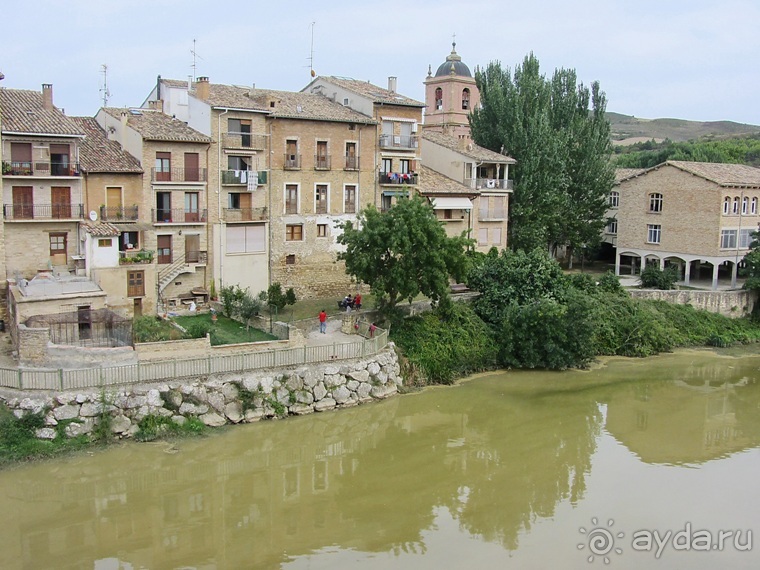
726, 205
736, 206
438, 99
614, 199
655, 202
753, 207
466, 99
745, 205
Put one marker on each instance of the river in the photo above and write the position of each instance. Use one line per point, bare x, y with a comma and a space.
643, 463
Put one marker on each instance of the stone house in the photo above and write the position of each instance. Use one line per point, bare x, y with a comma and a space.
397, 149
697, 216
174, 199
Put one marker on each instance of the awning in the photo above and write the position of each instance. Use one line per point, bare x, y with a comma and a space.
134, 226
396, 193
451, 203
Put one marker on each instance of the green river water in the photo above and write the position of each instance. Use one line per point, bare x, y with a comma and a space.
505, 470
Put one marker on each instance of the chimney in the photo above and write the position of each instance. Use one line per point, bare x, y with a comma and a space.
47, 96
202, 88
124, 121
157, 105
392, 84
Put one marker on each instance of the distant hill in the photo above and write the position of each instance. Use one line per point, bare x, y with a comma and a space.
627, 129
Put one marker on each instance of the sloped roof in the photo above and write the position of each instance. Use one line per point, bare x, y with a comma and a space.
477, 152
719, 173
98, 154
101, 229
157, 126
623, 173
432, 182
299, 105
23, 112
372, 92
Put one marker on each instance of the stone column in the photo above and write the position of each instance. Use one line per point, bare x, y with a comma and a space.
734, 270
687, 274
617, 263
715, 276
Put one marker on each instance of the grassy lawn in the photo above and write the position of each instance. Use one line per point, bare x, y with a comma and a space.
225, 331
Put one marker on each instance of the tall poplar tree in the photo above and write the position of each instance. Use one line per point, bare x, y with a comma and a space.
563, 173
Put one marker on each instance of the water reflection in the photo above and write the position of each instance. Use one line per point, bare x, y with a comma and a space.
497, 454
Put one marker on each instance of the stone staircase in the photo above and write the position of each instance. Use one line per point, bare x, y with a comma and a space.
185, 264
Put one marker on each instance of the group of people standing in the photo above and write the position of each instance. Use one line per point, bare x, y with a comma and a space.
348, 303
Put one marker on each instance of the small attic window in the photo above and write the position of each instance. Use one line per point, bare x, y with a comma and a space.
345, 101
271, 104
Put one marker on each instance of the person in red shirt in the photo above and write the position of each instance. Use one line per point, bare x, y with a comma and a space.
358, 301
323, 322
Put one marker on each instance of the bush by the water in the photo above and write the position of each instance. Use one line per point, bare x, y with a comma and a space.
652, 277
446, 344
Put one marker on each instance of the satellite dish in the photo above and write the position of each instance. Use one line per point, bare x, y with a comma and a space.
93, 215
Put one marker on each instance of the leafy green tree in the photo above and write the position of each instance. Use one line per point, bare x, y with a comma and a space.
752, 264
403, 252
276, 298
557, 131
652, 277
514, 278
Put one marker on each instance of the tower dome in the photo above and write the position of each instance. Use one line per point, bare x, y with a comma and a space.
453, 65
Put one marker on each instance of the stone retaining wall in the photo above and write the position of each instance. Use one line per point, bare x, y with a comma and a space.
729, 303
216, 400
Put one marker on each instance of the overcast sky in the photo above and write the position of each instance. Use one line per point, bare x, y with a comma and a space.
686, 59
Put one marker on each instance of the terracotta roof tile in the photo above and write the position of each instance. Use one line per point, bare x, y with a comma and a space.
373, 92
101, 229
23, 112
98, 154
472, 150
623, 173
432, 182
157, 126
720, 173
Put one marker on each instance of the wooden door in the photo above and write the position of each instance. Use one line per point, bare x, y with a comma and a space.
114, 207
60, 196
23, 202
192, 248
164, 246
58, 249
192, 170
245, 207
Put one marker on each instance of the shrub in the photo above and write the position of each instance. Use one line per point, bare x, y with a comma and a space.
652, 277
153, 329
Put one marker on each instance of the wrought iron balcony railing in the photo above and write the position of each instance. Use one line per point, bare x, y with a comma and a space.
251, 141
178, 216
244, 214
178, 174
292, 162
410, 179
118, 213
242, 177
321, 162
46, 168
43, 211
351, 163
399, 141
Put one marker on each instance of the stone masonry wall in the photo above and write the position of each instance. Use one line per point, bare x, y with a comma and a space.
216, 400
728, 303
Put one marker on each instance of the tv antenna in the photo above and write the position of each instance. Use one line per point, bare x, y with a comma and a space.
311, 52
104, 92
195, 58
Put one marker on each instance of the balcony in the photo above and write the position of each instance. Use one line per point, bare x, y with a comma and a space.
118, 213
292, 162
409, 179
178, 175
322, 162
489, 183
351, 163
244, 141
409, 142
43, 211
177, 216
244, 214
13, 168
136, 256
241, 177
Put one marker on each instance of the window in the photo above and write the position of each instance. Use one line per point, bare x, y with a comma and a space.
483, 236
290, 259
465, 99
386, 203
654, 232
349, 199
192, 167
293, 232
233, 200
192, 213
727, 239
321, 230
753, 206
405, 164
104, 242
726, 205
496, 236
320, 199
352, 158
322, 159
135, 283
735, 209
246, 239
447, 214
438, 99
163, 166
611, 227
240, 128
745, 238
387, 166
655, 203
745, 205
291, 154
291, 198
614, 200
57, 244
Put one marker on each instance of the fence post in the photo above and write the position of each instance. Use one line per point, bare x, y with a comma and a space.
20, 380
209, 365
138, 370
304, 354
60, 378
